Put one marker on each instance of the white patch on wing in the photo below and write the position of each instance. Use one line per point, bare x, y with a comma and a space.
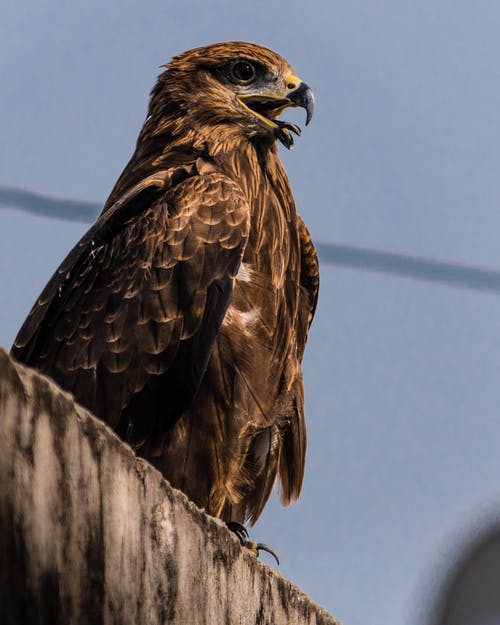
244, 319
248, 317
244, 273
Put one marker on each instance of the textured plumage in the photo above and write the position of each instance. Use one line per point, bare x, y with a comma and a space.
181, 317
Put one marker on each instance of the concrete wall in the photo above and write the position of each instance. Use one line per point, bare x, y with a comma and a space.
90, 534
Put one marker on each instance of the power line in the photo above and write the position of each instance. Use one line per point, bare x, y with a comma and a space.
354, 257
416, 267
48, 206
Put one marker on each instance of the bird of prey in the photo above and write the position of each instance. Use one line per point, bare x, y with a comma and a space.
180, 318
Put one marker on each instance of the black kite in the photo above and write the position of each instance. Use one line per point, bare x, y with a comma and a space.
181, 317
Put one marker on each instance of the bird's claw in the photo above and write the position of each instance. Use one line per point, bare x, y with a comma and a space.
258, 547
242, 534
238, 529
284, 130
289, 126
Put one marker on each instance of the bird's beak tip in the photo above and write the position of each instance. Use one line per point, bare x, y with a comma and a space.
304, 97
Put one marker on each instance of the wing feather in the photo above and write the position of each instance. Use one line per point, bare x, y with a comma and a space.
293, 451
137, 298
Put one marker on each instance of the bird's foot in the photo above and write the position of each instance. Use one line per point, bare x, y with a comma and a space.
282, 132
242, 534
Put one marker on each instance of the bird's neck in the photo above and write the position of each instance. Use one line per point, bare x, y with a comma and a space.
164, 144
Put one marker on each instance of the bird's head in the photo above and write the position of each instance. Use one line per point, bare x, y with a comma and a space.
240, 86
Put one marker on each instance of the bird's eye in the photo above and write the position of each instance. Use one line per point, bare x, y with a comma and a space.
243, 71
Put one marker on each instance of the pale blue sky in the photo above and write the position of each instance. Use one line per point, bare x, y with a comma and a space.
402, 378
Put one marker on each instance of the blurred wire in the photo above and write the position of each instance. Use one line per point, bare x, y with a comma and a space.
361, 258
47, 206
430, 270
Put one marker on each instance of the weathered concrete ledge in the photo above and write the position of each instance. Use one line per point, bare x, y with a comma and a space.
90, 534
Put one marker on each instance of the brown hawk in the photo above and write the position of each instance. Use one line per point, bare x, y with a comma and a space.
181, 317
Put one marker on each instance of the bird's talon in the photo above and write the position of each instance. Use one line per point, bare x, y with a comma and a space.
238, 529
256, 548
242, 535
289, 126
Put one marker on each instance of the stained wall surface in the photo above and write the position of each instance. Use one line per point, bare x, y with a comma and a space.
91, 534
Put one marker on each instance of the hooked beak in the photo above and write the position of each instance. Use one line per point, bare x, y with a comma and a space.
267, 106
304, 97
301, 96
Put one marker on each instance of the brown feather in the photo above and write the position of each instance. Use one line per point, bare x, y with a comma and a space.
181, 317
